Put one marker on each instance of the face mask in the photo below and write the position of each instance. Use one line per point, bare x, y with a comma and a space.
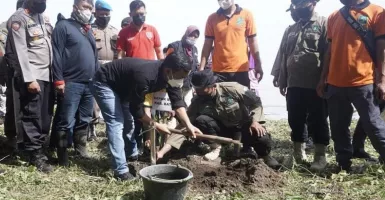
226, 4
191, 41
139, 20
175, 83
346, 2
38, 7
304, 13
82, 16
103, 21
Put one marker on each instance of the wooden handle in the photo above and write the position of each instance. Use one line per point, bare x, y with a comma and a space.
212, 138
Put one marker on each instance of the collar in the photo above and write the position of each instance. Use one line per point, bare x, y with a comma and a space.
362, 5
238, 9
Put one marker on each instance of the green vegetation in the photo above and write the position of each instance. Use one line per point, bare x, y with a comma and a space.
93, 179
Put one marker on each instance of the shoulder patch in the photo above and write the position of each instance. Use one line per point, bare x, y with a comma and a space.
16, 25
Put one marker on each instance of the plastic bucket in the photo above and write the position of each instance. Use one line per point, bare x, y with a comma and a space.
165, 182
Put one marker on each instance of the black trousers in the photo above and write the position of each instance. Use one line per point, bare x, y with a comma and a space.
304, 106
208, 125
239, 77
36, 113
9, 120
360, 135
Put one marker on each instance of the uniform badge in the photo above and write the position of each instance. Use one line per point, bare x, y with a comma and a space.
363, 20
149, 35
316, 28
16, 26
240, 21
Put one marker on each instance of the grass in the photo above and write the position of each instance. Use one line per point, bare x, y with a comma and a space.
93, 179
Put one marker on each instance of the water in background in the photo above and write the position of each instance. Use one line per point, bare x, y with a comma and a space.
274, 104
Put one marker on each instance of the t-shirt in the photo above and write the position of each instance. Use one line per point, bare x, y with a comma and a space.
230, 35
351, 64
139, 44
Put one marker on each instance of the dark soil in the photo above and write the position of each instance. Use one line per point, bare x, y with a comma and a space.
242, 175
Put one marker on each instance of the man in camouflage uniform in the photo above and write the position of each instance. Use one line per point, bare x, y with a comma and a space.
303, 52
225, 109
105, 36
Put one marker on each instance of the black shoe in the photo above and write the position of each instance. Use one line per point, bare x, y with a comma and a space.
125, 177
133, 158
362, 154
345, 167
39, 160
62, 155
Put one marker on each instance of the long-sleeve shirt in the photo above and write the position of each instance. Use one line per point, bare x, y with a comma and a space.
28, 49
75, 53
233, 105
132, 78
279, 58
303, 53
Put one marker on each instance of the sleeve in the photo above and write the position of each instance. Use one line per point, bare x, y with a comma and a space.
19, 40
137, 101
121, 42
278, 58
329, 34
251, 29
209, 30
58, 46
169, 51
252, 102
323, 44
379, 26
175, 95
157, 42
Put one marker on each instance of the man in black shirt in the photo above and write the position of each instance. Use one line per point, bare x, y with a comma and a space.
75, 63
119, 88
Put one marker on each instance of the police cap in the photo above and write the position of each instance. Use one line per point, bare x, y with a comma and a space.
102, 5
202, 79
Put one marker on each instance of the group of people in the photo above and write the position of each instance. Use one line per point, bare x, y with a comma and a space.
88, 67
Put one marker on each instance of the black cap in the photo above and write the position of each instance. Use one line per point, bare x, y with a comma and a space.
202, 79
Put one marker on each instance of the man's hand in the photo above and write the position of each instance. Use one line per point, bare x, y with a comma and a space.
321, 88
162, 128
258, 73
193, 130
275, 81
258, 129
283, 90
34, 87
60, 89
381, 90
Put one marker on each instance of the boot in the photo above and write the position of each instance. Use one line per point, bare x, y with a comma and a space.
214, 154
320, 162
271, 162
300, 153
62, 155
39, 160
80, 143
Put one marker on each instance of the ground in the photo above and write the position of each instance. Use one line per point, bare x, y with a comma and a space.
93, 179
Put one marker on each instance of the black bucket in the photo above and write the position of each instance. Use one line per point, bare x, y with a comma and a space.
165, 182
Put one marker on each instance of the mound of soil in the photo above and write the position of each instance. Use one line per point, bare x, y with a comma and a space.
243, 175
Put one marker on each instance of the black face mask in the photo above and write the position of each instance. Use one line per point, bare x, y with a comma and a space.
103, 21
304, 13
346, 2
38, 7
139, 20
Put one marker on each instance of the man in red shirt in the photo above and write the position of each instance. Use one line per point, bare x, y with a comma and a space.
139, 40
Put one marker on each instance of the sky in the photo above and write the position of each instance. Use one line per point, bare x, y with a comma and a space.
171, 18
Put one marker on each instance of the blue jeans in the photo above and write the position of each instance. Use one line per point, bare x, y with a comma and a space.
74, 111
119, 122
